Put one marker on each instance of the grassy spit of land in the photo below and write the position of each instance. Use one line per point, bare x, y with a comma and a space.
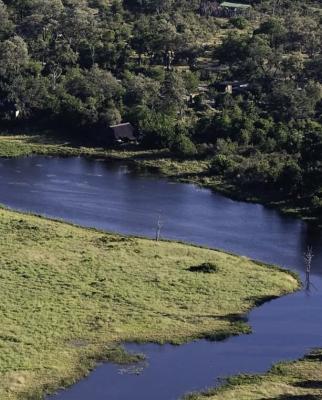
70, 296
298, 380
161, 161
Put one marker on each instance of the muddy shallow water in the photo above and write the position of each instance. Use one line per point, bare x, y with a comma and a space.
111, 197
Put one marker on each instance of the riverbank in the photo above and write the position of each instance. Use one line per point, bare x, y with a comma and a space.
298, 380
70, 295
160, 161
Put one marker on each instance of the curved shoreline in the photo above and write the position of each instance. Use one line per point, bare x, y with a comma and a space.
146, 160
36, 226
62, 222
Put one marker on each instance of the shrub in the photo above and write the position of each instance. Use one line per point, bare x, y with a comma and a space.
221, 164
317, 204
183, 146
239, 22
205, 268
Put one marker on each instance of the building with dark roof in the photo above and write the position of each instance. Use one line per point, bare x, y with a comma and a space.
123, 133
231, 9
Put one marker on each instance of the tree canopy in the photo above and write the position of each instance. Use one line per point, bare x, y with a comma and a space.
242, 90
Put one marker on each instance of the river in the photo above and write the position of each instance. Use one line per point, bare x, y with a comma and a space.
110, 196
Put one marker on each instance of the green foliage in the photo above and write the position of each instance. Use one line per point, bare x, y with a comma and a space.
246, 91
221, 164
158, 129
317, 203
75, 63
183, 146
239, 22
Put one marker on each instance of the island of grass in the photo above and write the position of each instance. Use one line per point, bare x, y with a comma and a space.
297, 380
70, 296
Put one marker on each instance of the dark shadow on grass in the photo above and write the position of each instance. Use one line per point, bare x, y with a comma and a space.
309, 384
233, 317
258, 301
314, 356
295, 397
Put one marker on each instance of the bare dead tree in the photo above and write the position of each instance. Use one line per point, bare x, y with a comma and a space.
308, 257
55, 73
158, 228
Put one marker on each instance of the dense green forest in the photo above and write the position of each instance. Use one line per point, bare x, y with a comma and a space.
243, 91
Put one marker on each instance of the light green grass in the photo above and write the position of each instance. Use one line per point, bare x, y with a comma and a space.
27, 145
69, 296
299, 380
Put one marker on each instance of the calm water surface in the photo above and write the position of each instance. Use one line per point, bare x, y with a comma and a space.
111, 197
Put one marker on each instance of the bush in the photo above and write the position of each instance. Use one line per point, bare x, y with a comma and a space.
221, 164
158, 130
205, 268
183, 146
290, 178
317, 204
239, 22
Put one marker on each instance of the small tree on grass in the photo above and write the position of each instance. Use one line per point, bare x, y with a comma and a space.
308, 257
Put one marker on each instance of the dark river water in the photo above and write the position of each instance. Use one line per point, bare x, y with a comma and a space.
112, 197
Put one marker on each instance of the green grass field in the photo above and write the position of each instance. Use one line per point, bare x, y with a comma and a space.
70, 296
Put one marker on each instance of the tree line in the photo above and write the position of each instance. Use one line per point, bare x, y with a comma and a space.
162, 64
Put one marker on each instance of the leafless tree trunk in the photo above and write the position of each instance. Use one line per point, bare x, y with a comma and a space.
56, 72
158, 229
308, 257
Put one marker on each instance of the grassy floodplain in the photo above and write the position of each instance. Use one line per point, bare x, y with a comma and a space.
161, 161
70, 296
298, 380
